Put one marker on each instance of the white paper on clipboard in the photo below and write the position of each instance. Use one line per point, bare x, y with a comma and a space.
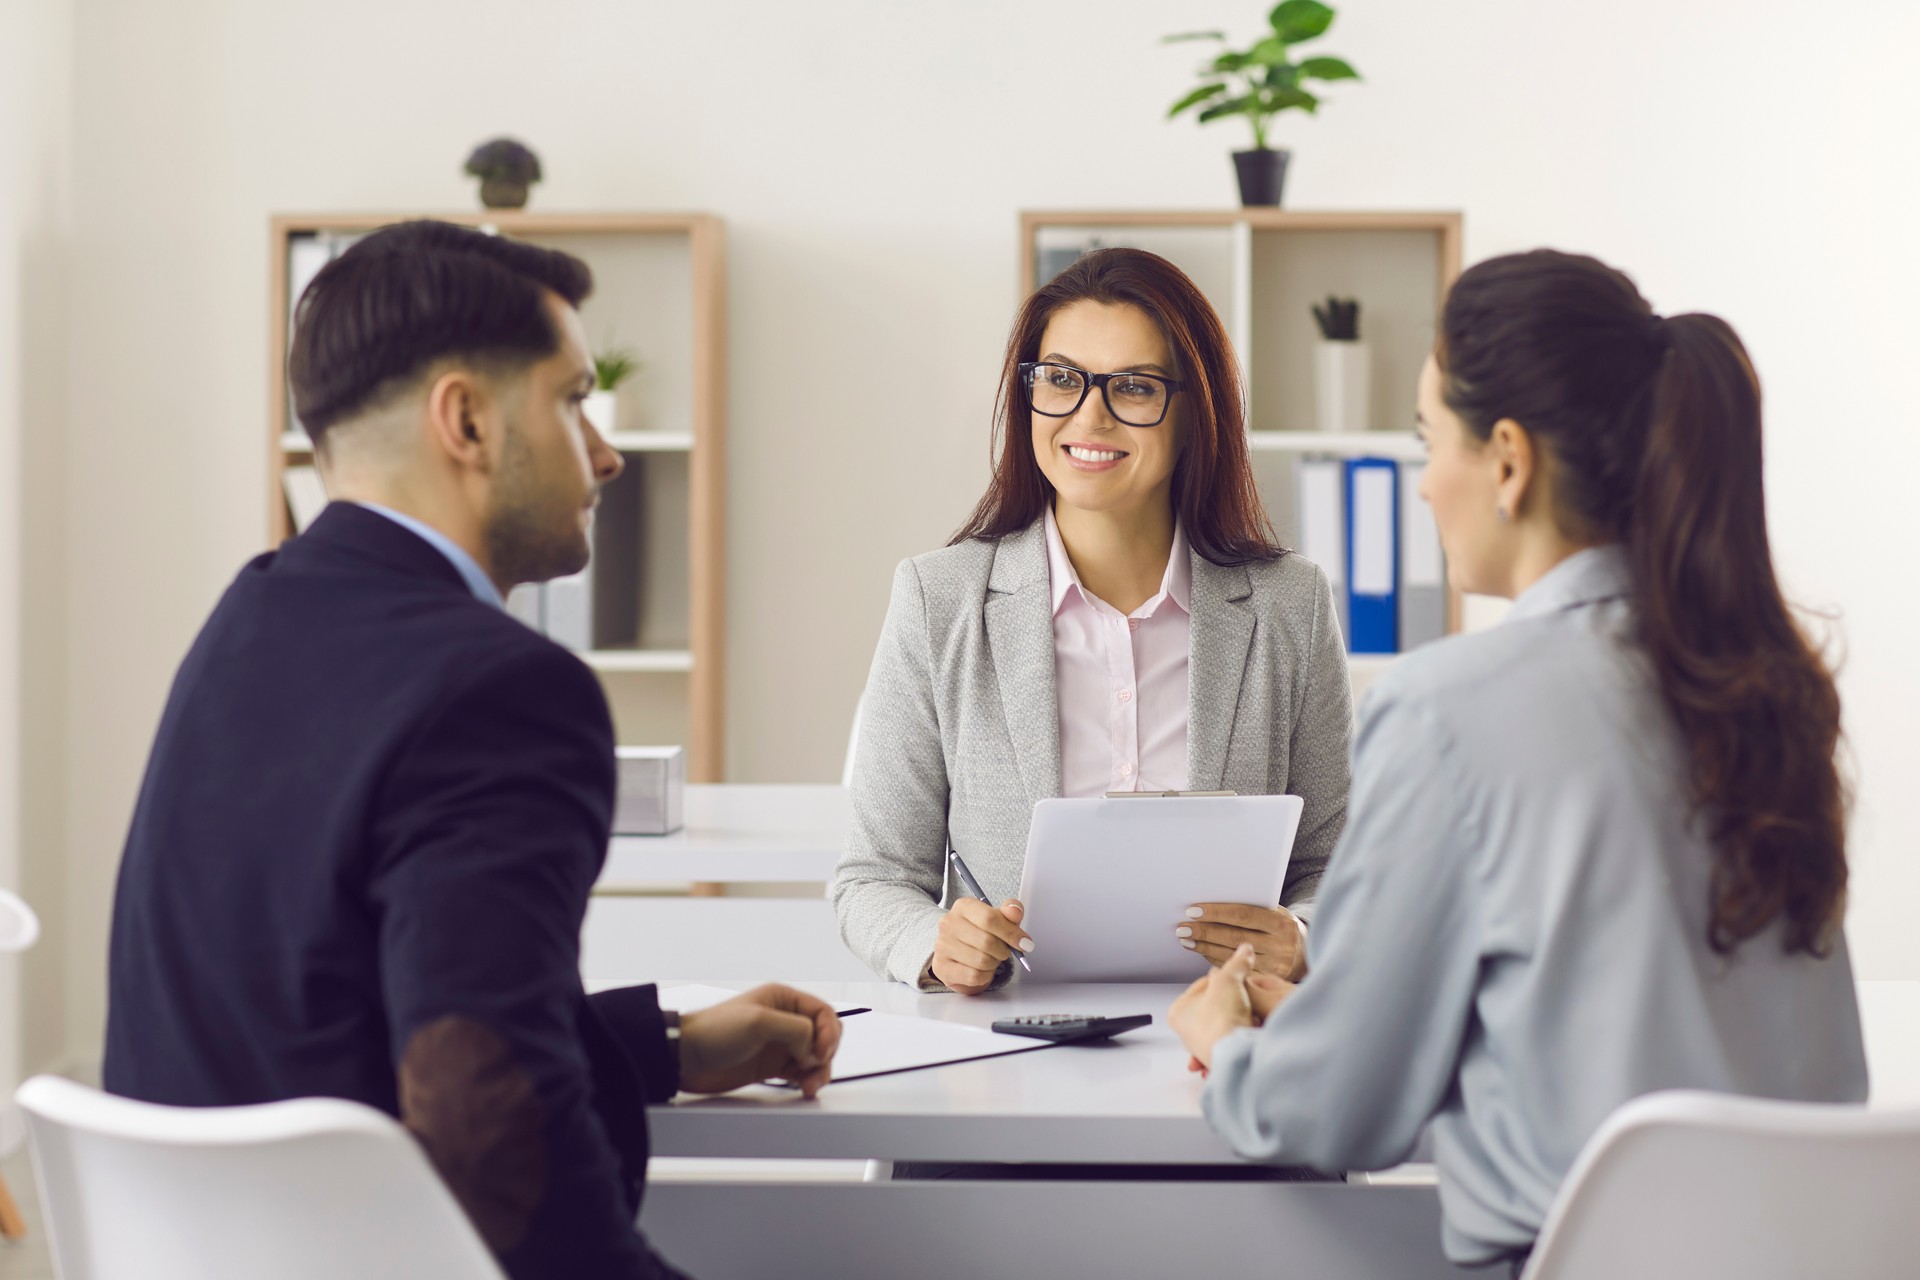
1108, 881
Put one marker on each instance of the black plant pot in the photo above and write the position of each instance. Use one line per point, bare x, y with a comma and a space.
1263, 174
503, 193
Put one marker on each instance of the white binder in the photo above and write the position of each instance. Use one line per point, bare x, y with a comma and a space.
1322, 514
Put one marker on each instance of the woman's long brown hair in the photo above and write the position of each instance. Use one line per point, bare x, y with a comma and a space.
1213, 488
1651, 429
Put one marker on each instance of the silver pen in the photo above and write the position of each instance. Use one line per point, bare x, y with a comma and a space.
972, 886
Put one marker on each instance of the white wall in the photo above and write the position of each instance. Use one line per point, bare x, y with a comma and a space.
870, 157
35, 61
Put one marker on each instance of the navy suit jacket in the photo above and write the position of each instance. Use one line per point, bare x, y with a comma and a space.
358, 868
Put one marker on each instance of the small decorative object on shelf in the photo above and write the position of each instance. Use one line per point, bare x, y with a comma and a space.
1269, 82
610, 368
1340, 367
506, 170
652, 796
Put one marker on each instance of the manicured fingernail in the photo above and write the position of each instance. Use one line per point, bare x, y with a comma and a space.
1188, 943
1026, 944
1194, 913
1183, 932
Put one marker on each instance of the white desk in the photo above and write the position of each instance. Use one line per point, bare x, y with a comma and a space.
1130, 1101
738, 834
759, 858
1890, 1023
1127, 1102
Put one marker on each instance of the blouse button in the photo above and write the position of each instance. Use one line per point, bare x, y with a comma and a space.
1126, 695
1126, 770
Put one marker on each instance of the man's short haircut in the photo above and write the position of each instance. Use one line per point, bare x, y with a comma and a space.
408, 296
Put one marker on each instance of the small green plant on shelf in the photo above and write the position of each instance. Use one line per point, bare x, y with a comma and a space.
613, 367
1263, 80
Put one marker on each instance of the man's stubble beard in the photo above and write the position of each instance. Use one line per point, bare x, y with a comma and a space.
525, 543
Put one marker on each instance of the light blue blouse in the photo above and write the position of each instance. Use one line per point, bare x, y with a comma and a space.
1512, 933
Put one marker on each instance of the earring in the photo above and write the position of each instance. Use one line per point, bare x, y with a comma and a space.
1503, 513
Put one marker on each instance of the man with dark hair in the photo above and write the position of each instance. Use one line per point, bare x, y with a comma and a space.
376, 803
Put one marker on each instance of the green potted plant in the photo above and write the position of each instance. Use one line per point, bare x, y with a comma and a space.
610, 368
506, 170
1260, 82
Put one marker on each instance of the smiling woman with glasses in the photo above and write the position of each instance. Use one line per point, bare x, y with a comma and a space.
1116, 615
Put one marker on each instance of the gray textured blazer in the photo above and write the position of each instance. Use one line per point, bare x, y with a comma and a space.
960, 728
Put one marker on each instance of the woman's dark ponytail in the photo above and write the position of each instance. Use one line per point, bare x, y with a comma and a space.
1756, 705
1653, 430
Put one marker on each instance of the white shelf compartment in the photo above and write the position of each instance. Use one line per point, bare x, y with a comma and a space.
638, 660
1403, 445
651, 441
622, 442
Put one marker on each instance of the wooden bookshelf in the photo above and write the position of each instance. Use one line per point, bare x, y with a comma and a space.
1261, 268
660, 287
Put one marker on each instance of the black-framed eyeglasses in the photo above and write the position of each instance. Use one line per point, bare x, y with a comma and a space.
1136, 399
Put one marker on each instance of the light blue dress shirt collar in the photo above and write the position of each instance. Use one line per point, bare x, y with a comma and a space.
468, 568
1594, 574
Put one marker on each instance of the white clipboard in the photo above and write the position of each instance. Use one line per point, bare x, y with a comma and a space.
1108, 881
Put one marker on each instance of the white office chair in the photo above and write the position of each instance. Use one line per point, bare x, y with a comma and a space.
1713, 1187
19, 926
312, 1189
19, 929
853, 744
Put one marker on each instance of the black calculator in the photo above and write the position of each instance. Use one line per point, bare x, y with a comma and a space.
1063, 1027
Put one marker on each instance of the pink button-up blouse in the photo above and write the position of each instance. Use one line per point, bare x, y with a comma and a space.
1121, 680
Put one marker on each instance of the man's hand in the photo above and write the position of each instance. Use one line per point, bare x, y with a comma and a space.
1215, 929
770, 1033
974, 939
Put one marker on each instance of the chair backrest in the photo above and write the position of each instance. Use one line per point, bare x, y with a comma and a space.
853, 745
19, 926
300, 1190
1707, 1186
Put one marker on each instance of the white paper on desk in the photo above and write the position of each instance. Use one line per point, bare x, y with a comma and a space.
693, 996
877, 1044
1108, 881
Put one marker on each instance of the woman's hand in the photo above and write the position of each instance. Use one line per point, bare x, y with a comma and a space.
1263, 993
770, 1033
1216, 1005
1217, 929
974, 940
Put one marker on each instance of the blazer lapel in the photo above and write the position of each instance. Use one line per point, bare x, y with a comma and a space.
1221, 636
1019, 617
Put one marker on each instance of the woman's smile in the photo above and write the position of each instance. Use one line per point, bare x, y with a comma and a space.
1082, 456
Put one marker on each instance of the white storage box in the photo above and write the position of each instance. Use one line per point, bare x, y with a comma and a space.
652, 794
